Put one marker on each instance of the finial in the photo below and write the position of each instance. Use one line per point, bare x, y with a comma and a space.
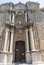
19, 2
29, 0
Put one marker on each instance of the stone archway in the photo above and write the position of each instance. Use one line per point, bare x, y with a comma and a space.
20, 51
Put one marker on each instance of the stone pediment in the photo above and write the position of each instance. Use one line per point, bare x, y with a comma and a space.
6, 6
19, 6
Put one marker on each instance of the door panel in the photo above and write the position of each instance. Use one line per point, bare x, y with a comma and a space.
20, 51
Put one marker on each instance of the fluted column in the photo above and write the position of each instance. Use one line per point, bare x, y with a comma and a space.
5, 45
11, 42
10, 17
13, 18
33, 50
27, 41
31, 39
26, 16
28, 56
6, 39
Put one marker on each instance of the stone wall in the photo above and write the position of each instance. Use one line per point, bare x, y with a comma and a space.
36, 16
32, 5
4, 16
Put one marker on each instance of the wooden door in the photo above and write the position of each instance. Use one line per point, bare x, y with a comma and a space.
20, 51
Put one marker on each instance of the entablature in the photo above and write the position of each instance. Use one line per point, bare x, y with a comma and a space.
19, 26
19, 6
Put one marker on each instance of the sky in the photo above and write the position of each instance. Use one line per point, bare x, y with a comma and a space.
23, 1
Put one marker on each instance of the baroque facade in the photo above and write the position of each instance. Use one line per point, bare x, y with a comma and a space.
21, 33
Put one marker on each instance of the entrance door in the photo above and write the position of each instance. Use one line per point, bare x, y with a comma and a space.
20, 51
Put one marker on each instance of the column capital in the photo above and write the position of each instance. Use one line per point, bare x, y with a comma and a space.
12, 30
26, 29
7, 29
29, 27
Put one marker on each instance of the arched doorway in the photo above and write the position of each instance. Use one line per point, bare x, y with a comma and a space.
20, 51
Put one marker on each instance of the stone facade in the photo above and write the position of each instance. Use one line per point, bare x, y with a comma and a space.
24, 22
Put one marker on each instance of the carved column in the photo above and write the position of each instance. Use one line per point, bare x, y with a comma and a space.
10, 16
31, 39
27, 41
13, 18
6, 39
11, 44
5, 44
33, 50
28, 56
26, 16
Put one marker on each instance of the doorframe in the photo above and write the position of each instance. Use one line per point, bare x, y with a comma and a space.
15, 49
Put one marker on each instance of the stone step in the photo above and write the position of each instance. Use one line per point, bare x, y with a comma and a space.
21, 64
15, 64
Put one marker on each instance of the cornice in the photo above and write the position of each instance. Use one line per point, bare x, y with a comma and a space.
10, 3
27, 10
18, 3
33, 2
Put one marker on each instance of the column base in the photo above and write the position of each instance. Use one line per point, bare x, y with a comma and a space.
28, 57
36, 57
11, 58
37, 63
5, 59
4, 51
34, 50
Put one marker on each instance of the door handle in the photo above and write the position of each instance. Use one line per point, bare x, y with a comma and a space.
16, 49
22, 53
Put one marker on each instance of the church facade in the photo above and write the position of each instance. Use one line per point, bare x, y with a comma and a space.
21, 33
